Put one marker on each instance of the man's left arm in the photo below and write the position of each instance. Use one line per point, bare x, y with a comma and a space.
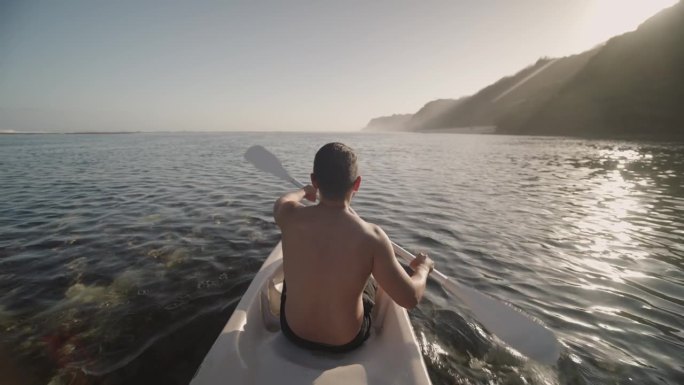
290, 201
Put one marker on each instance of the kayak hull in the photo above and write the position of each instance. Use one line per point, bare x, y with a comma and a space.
252, 350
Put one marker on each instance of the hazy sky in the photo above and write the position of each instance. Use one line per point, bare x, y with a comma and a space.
276, 65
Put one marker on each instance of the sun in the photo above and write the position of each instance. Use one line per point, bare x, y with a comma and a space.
604, 19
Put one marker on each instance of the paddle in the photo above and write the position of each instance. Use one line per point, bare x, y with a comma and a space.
518, 330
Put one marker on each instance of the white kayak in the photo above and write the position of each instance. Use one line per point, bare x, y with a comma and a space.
252, 350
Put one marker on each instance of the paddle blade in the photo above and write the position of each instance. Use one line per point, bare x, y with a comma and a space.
517, 329
264, 160
510, 325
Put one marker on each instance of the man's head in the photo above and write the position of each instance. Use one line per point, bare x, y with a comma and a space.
335, 171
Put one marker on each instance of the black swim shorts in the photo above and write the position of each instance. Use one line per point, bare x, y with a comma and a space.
364, 332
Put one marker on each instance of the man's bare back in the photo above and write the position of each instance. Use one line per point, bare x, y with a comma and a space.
329, 253
328, 260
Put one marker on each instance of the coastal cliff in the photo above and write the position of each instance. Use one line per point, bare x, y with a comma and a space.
631, 85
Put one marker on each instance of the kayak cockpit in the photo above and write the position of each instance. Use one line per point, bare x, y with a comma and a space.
252, 350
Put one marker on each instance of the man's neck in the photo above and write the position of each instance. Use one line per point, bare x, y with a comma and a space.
341, 204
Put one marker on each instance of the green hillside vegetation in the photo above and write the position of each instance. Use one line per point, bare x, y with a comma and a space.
633, 86
478, 110
395, 122
410, 122
490, 105
432, 110
518, 106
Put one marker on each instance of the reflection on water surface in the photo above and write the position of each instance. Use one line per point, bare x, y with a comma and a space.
121, 255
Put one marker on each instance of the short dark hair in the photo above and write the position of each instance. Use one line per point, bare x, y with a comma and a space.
335, 170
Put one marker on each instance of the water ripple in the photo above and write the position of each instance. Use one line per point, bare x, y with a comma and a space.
120, 254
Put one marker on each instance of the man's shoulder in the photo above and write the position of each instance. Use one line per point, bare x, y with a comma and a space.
285, 211
372, 231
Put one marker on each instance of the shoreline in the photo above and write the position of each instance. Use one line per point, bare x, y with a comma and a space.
475, 130
72, 133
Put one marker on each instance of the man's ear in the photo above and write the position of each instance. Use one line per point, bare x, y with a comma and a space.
357, 183
314, 182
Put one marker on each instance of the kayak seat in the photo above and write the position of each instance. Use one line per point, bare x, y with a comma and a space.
270, 300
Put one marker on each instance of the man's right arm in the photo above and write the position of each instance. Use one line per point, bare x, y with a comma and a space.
405, 290
288, 202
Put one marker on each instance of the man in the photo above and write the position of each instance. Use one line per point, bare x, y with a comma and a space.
329, 254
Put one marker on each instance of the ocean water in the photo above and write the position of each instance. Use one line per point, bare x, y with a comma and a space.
122, 256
